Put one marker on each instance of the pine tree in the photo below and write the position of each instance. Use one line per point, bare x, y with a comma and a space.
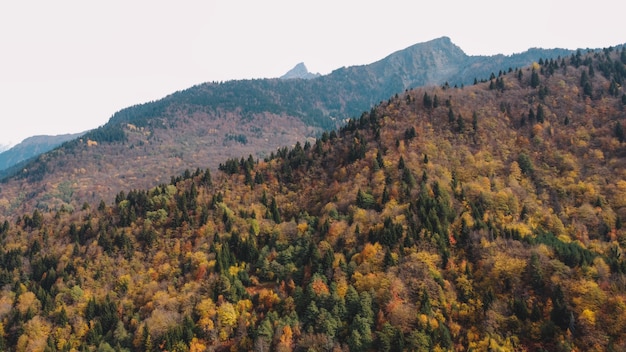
460, 124
586, 84
379, 159
535, 271
534, 79
540, 114
531, 115
428, 102
619, 132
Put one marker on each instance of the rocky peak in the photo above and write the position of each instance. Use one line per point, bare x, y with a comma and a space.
299, 71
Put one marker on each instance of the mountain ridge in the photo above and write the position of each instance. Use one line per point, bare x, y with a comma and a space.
201, 126
484, 217
299, 72
32, 147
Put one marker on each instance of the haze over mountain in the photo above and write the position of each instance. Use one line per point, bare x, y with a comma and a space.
299, 71
199, 127
488, 217
31, 147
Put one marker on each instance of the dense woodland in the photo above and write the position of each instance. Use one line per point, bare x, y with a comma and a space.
488, 217
143, 145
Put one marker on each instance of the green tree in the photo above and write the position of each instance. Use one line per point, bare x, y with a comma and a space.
401, 164
275, 212
534, 79
531, 115
535, 272
428, 102
365, 200
37, 219
460, 124
360, 337
407, 178
586, 84
379, 159
614, 88
619, 132
540, 114
390, 339
560, 314
525, 163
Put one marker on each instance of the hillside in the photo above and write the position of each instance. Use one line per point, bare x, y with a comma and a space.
488, 217
200, 127
29, 148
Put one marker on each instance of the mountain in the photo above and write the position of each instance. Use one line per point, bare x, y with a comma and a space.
31, 147
488, 217
143, 145
299, 72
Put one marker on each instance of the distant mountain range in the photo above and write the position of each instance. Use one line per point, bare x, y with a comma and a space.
204, 125
32, 147
483, 218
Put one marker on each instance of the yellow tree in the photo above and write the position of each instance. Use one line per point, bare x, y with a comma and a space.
35, 335
227, 319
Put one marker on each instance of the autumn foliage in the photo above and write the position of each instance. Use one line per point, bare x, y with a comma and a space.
490, 220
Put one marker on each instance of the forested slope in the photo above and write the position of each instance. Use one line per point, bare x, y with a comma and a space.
199, 127
484, 217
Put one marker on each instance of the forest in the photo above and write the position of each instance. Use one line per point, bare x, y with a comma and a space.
483, 217
199, 127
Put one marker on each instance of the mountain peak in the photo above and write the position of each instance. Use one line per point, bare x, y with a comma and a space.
443, 40
299, 71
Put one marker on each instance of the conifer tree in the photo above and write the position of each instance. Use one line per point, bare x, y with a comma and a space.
534, 79
540, 114
428, 102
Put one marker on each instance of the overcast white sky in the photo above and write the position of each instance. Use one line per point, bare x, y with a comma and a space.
67, 66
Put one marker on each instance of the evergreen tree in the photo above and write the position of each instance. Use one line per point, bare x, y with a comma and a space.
531, 115
586, 84
536, 272
274, 211
534, 79
460, 124
619, 132
428, 102
379, 159
540, 114
525, 163
560, 314
410, 133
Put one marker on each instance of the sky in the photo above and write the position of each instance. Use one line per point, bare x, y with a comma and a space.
68, 66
